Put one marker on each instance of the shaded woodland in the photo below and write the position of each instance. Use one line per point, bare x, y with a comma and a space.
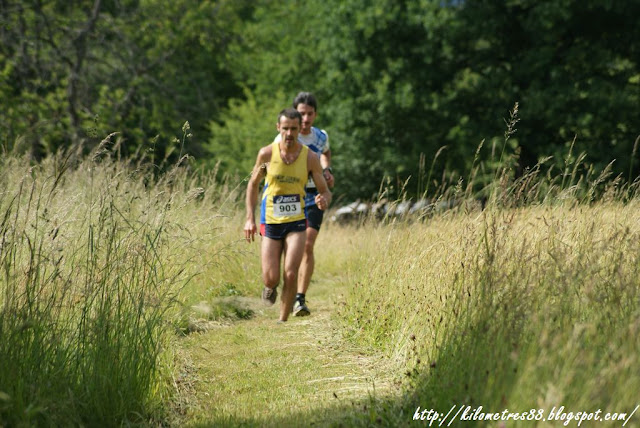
414, 92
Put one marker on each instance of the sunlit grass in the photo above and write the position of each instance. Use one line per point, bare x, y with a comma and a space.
108, 267
507, 308
531, 303
95, 255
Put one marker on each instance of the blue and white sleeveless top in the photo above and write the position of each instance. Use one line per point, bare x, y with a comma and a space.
318, 142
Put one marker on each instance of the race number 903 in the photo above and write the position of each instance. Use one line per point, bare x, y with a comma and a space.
286, 205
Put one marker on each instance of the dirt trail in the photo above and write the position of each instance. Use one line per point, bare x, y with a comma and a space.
257, 372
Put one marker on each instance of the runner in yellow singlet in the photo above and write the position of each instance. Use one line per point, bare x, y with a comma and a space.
318, 142
285, 165
282, 201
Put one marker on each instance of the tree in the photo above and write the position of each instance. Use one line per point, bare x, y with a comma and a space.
246, 126
410, 77
398, 81
75, 71
275, 58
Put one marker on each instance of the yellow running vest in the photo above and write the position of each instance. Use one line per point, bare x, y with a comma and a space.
283, 194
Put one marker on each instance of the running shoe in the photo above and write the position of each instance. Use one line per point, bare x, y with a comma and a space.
300, 309
269, 296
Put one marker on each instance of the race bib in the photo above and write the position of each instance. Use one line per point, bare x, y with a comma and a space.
286, 205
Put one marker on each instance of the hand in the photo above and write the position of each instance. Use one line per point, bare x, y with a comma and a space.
328, 177
321, 201
250, 230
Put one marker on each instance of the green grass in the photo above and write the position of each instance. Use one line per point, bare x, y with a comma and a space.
129, 297
95, 256
302, 373
519, 309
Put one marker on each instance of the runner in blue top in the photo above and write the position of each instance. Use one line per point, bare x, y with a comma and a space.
318, 141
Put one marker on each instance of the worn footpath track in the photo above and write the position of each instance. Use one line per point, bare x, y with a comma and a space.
257, 372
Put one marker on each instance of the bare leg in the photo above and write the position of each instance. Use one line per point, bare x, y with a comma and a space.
308, 261
294, 248
271, 250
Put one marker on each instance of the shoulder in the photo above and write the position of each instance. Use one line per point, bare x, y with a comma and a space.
264, 155
320, 134
312, 157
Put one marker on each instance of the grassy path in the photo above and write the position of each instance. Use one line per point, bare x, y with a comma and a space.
260, 373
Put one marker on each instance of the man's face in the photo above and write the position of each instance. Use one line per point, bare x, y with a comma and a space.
308, 116
289, 130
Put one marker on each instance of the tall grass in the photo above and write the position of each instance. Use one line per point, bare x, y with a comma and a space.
517, 309
94, 256
531, 303
542, 315
495, 178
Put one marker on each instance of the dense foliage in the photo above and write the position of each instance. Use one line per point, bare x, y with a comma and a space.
396, 80
72, 72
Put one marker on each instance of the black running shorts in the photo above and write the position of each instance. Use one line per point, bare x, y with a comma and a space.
280, 231
314, 216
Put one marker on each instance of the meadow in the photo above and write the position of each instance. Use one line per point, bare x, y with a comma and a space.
102, 262
522, 310
110, 267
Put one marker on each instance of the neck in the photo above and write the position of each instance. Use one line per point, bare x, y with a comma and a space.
290, 154
284, 147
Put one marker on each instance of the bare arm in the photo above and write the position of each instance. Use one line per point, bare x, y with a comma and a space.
258, 173
325, 159
325, 162
323, 198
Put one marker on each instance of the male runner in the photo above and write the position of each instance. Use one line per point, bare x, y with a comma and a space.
318, 142
285, 165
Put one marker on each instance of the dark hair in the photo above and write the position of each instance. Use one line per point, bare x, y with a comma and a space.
290, 113
305, 98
